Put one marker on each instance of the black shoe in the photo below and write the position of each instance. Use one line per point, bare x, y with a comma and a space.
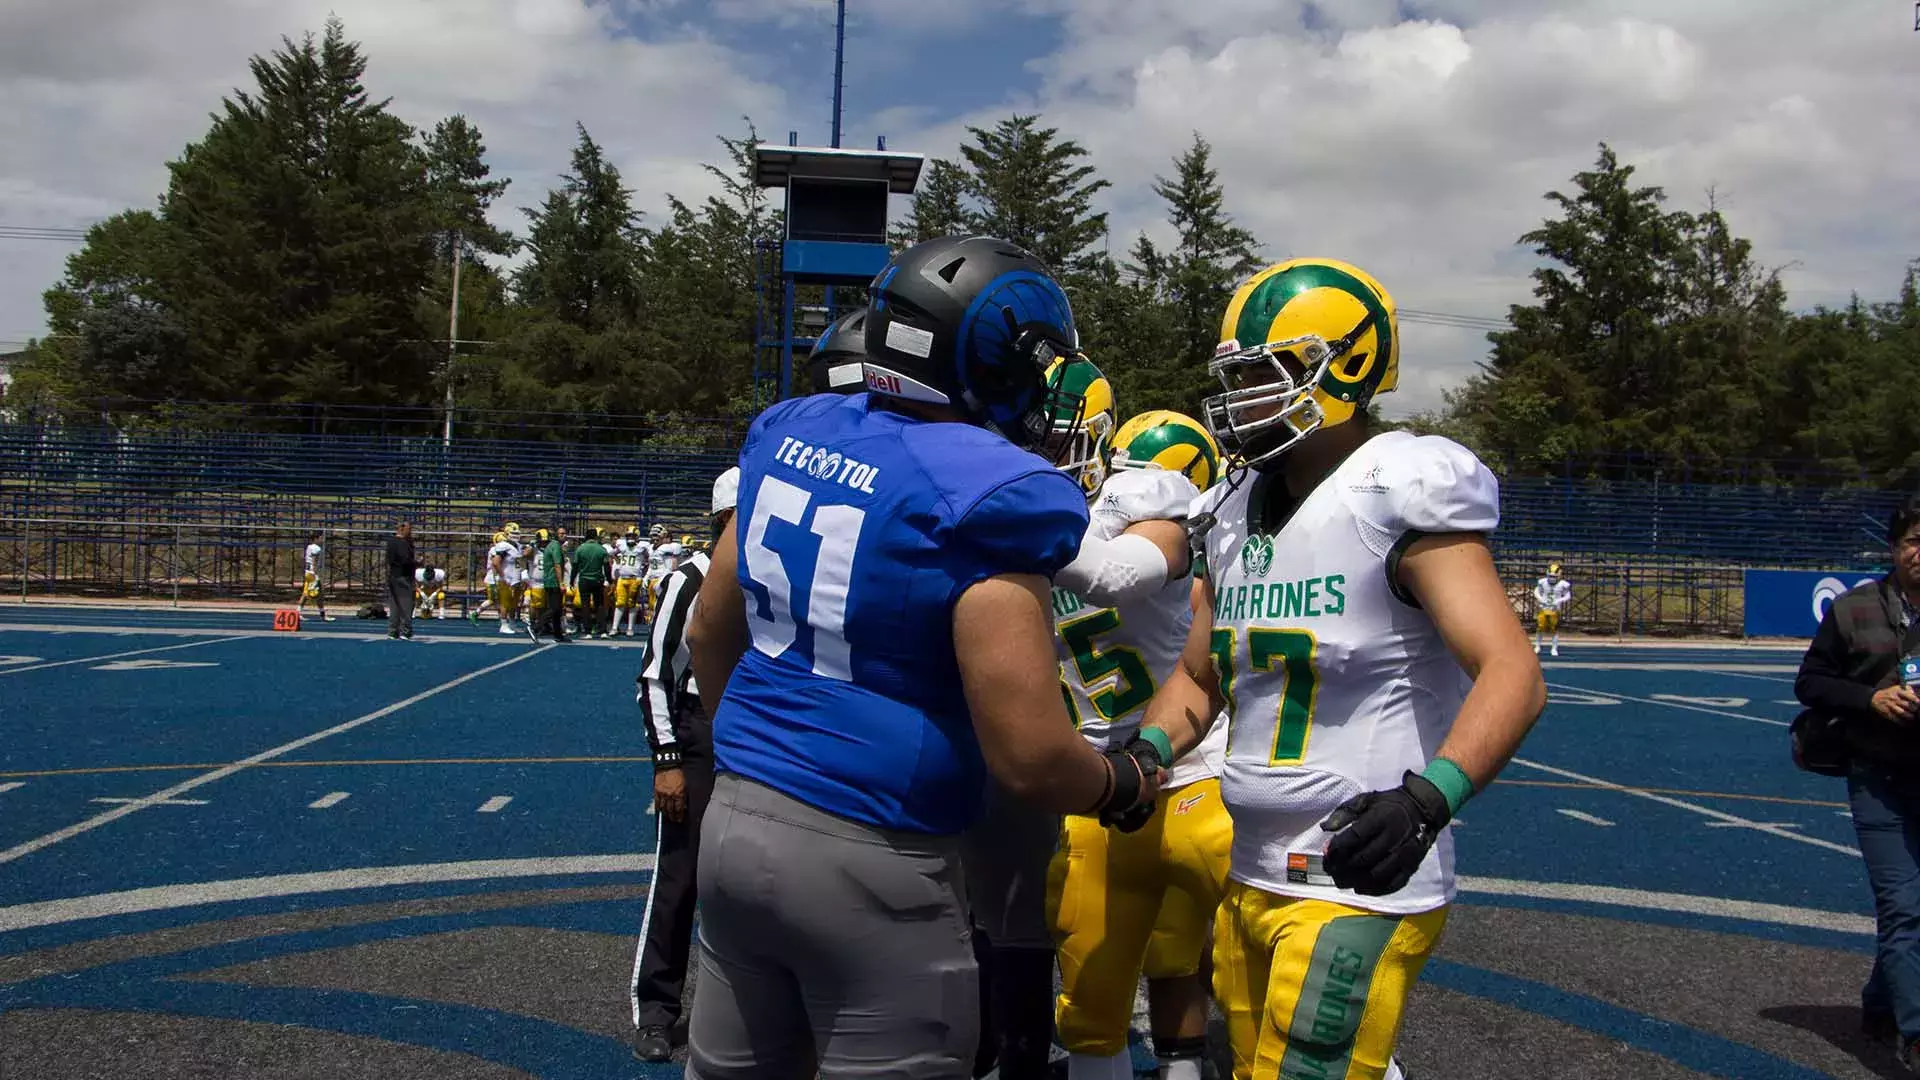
1910, 1055
652, 1044
1879, 1025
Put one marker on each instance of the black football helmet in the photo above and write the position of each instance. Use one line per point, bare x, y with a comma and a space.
973, 323
834, 364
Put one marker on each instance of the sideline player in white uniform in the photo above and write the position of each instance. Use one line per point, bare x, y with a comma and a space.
1137, 899
315, 563
1551, 595
632, 558
1373, 673
430, 593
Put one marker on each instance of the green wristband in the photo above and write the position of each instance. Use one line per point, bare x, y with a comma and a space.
1160, 742
1452, 781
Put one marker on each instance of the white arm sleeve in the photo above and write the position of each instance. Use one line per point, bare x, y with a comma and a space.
1108, 573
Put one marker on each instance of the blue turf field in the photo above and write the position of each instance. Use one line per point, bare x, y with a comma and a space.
334, 750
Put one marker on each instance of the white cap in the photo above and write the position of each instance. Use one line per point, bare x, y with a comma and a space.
726, 490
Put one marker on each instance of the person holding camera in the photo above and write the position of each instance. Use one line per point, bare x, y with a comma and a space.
1860, 682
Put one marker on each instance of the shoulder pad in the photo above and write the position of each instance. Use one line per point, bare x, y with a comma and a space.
1030, 524
1419, 483
1130, 496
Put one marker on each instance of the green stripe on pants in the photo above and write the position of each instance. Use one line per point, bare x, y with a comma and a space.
1334, 996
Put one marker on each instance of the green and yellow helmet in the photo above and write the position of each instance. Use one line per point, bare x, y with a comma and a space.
1305, 345
1164, 439
1083, 420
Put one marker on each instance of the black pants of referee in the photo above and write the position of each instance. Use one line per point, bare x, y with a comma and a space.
666, 930
399, 607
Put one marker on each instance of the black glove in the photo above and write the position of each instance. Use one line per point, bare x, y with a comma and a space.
1132, 763
1381, 837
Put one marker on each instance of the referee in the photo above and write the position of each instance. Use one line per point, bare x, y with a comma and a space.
680, 736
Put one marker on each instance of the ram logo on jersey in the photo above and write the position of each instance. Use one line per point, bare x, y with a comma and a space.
1309, 599
824, 464
1256, 555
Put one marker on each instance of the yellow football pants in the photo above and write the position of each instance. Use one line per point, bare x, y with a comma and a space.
1314, 989
626, 591
1126, 904
1547, 621
310, 588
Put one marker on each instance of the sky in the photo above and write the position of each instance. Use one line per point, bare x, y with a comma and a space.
1415, 138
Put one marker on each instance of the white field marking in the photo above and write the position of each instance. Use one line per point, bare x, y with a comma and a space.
1716, 702
1704, 811
330, 799
12, 785
144, 798
165, 897
1673, 705
8, 660
1582, 815
1786, 701
1753, 825
1566, 697
221, 773
1749, 910
650, 808
149, 664
495, 804
116, 656
1844, 813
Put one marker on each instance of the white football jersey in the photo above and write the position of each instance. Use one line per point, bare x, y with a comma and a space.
666, 558
509, 571
1336, 682
424, 576
633, 559
313, 559
1553, 594
1112, 659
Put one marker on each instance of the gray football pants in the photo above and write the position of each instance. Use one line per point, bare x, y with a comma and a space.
824, 940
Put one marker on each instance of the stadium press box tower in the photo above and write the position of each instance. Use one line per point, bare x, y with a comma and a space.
836, 236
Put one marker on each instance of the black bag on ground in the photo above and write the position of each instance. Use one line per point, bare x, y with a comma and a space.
373, 611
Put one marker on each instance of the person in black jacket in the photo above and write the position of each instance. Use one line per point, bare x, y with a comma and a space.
400, 567
1861, 671
681, 738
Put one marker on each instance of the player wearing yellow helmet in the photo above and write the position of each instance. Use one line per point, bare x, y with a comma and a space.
1350, 591
632, 558
1137, 898
1551, 595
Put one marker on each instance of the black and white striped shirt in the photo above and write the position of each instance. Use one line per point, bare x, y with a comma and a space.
665, 673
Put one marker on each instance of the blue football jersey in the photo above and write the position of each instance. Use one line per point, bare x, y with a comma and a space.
858, 528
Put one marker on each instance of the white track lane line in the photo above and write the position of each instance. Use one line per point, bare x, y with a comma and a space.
181, 788
115, 656
495, 804
1704, 811
1668, 704
12, 785
327, 801
1582, 815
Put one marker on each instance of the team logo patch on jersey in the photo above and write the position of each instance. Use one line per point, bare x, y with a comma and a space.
1189, 802
1256, 555
1369, 482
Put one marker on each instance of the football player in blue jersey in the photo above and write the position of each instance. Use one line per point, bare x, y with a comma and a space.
877, 628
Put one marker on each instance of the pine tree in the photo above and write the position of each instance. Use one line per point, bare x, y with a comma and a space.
1033, 188
305, 237
459, 178
585, 242
939, 207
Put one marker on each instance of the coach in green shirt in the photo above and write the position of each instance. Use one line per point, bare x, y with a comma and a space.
553, 558
590, 573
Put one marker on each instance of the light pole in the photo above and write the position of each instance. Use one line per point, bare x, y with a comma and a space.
453, 342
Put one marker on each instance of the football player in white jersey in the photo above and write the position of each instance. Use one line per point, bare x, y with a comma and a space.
632, 558
315, 565
1551, 595
508, 555
1137, 899
429, 593
667, 553
1372, 671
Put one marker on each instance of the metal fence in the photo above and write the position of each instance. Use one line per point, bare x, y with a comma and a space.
176, 514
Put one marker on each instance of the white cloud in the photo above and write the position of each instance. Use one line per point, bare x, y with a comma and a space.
1420, 149
101, 94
